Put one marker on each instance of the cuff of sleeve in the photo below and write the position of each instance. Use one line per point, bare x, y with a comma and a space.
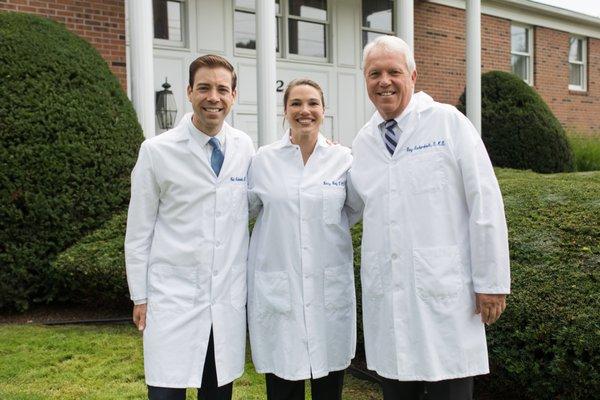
140, 301
492, 290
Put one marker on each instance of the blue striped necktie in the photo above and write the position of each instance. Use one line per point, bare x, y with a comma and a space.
390, 137
217, 157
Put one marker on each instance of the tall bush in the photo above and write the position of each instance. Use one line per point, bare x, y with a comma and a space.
517, 126
68, 140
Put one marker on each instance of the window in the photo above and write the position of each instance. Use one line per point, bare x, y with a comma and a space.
521, 51
245, 24
169, 22
302, 28
377, 19
577, 63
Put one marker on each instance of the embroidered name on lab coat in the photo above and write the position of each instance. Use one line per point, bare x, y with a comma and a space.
238, 179
434, 143
334, 183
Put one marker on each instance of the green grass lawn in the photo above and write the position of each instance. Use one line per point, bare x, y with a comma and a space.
100, 362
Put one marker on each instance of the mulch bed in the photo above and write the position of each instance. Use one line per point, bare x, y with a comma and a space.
51, 314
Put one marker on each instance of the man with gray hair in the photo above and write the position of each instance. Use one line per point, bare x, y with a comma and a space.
435, 264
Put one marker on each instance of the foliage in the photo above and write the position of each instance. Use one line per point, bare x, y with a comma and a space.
103, 363
518, 128
547, 343
92, 272
68, 141
586, 153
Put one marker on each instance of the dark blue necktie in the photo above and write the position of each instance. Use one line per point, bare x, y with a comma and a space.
217, 157
391, 139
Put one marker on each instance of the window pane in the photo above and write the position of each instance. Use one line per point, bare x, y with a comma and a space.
575, 74
251, 4
520, 67
316, 9
307, 39
245, 3
244, 32
377, 14
369, 37
519, 39
575, 49
167, 20
174, 20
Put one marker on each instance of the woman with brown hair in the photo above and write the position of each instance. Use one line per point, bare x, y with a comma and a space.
301, 300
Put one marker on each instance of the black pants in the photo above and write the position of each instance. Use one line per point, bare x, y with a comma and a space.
451, 389
326, 388
209, 390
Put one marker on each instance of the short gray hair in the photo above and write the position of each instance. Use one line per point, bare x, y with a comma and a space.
394, 44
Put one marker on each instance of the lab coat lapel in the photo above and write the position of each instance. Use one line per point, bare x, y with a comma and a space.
231, 149
408, 129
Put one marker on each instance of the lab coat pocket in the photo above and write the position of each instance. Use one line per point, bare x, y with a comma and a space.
171, 288
437, 272
238, 285
370, 275
333, 201
272, 291
426, 172
339, 287
239, 202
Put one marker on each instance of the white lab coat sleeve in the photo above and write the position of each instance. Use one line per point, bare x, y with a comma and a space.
354, 205
254, 201
141, 218
488, 233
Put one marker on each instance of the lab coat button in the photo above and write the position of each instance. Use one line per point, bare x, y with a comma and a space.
394, 256
218, 243
216, 272
218, 213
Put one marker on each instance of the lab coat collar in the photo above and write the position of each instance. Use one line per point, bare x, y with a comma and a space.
407, 121
188, 129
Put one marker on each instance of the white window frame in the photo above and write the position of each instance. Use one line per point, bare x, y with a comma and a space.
381, 31
180, 44
582, 63
282, 27
528, 54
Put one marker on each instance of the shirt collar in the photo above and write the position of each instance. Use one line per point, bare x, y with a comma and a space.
400, 119
202, 137
286, 140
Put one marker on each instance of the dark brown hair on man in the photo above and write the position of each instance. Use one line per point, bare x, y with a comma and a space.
212, 61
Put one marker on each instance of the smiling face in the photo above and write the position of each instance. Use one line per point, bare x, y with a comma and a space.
389, 83
211, 97
304, 110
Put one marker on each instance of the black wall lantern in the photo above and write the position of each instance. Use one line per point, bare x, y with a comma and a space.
166, 108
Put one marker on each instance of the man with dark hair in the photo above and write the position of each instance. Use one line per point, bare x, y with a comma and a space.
186, 243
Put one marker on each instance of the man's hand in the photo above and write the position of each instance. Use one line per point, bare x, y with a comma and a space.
139, 316
490, 306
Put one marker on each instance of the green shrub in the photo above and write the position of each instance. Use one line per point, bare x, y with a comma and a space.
92, 272
518, 128
547, 343
586, 153
68, 140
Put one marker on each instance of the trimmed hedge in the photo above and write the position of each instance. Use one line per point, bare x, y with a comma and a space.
68, 140
518, 128
92, 272
547, 343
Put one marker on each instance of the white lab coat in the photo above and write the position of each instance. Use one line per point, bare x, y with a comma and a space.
186, 248
301, 301
434, 234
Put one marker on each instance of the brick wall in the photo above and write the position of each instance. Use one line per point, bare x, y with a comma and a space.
440, 56
577, 111
100, 22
